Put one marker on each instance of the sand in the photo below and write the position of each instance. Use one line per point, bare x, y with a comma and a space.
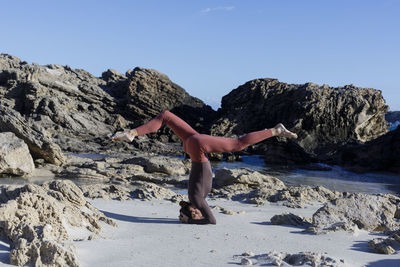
149, 234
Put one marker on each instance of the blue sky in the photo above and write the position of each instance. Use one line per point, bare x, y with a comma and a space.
211, 47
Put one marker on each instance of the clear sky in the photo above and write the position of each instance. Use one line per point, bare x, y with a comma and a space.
210, 47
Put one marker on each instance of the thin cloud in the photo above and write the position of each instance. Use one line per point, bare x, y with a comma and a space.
221, 8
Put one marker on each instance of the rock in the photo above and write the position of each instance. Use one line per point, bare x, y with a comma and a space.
277, 150
106, 191
228, 212
245, 176
70, 104
151, 92
162, 164
379, 154
80, 111
35, 137
272, 190
15, 158
297, 259
246, 261
290, 219
322, 116
382, 246
248, 254
369, 212
386, 245
150, 191
43, 253
81, 173
69, 191
37, 220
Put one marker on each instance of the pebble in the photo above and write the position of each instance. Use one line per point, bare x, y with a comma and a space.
246, 261
248, 254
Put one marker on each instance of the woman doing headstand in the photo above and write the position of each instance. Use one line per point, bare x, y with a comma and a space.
197, 146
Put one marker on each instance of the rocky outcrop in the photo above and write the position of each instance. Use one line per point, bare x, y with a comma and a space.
377, 213
381, 154
37, 220
151, 92
80, 111
144, 93
287, 259
245, 176
70, 104
36, 137
160, 164
15, 158
322, 116
135, 190
256, 188
386, 245
290, 219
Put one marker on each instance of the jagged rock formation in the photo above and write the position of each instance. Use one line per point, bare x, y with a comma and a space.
69, 104
358, 211
245, 176
160, 164
57, 109
135, 190
79, 111
386, 245
36, 137
288, 259
290, 219
151, 92
145, 93
381, 154
322, 116
15, 158
38, 219
256, 188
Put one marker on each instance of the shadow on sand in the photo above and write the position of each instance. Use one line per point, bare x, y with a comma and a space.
384, 263
135, 219
4, 252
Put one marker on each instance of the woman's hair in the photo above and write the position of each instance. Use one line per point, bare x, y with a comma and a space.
185, 208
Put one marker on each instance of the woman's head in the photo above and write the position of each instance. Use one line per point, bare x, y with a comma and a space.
191, 211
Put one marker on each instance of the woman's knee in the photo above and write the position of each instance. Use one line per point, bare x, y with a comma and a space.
240, 145
165, 114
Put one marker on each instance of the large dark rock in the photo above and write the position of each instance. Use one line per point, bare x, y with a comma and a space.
151, 92
145, 93
69, 104
381, 154
322, 116
79, 111
40, 145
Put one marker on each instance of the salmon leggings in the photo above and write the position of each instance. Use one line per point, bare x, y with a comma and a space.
197, 146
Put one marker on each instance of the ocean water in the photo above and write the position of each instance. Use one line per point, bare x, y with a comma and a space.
393, 125
337, 178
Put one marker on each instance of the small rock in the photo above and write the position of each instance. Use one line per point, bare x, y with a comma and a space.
248, 254
246, 261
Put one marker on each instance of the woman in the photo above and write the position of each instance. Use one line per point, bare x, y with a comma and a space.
197, 146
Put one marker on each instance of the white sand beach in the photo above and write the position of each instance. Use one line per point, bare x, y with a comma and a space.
149, 234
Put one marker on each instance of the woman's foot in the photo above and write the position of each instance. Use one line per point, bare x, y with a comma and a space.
126, 136
280, 130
